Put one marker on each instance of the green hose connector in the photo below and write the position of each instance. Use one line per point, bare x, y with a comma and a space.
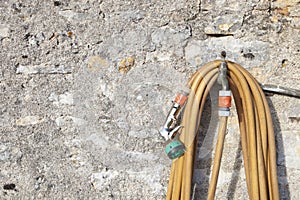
174, 149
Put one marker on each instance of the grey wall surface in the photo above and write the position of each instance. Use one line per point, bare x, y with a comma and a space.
85, 86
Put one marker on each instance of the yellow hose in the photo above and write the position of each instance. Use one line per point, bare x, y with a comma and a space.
256, 130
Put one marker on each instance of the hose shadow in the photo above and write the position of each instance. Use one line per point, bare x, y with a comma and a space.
205, 143
235, 176
284, 189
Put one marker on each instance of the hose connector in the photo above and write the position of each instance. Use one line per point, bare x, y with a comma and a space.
225, 93
171, 125
224, 102
174, 148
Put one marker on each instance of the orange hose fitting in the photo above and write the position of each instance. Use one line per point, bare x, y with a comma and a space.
225, 98
225, 101
180, 99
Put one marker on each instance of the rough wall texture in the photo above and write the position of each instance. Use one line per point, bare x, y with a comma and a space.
86, 84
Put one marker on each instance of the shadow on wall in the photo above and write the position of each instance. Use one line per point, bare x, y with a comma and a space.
235, 177
205, 140
203, 161
281, 166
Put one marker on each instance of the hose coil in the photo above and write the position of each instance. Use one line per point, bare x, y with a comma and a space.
256, 132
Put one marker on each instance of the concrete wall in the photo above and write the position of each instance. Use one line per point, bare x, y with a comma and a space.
85, 85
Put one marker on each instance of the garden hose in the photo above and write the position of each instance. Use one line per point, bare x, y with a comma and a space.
255, 124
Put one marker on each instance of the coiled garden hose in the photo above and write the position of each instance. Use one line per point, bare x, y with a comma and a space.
256, 131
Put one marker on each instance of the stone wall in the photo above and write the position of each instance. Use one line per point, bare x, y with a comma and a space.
85, 85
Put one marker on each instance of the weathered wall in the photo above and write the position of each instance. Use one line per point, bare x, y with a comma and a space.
74, 126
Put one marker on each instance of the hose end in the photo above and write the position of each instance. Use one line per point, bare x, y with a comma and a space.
174, 149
